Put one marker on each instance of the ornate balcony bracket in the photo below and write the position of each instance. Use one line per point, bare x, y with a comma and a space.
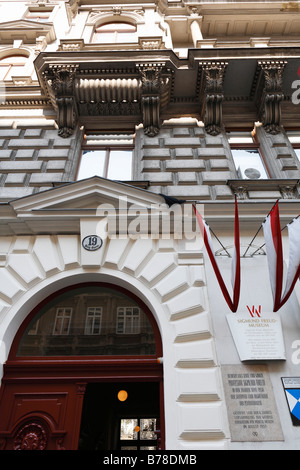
133, 94
62, 84
211, 86
154, 85
272, 94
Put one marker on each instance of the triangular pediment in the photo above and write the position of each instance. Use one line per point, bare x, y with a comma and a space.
29, 30
24, 24
85, 197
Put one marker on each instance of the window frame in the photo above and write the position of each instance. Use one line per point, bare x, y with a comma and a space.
117, 39
131, 320
94, 315
108, 149
255, 145
11, 64
13, 354
40, 15
295, 145
62, 318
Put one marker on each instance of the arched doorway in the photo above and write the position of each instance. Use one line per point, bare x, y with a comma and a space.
71, 356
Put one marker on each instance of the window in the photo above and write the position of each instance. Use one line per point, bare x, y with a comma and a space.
108, 156
115, 33
89, 321
138, 434
62, 321
128, 320
294, 138
247, 156
93, 321
10, 66
42, 16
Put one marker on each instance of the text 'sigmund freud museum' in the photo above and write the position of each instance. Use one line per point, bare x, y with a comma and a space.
149, 225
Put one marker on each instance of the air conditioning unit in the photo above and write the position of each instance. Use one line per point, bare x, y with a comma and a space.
249, 173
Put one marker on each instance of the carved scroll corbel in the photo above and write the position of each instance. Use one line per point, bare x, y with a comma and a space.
272, 94
152, 84
63, 85
212, 93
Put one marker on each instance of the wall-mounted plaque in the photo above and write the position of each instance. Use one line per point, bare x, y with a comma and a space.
257, 335
291, 387
92, 243
251, 407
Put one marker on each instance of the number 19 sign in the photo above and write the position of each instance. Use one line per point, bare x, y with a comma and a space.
92, 243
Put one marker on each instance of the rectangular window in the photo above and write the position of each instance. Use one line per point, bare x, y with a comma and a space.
128, 320
41, 15
62, 321
93, 321
247, 156
294, 138
112, 33
108, 156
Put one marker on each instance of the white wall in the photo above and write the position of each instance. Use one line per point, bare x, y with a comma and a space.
169, 278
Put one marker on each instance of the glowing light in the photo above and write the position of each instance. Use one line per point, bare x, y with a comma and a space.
122, 395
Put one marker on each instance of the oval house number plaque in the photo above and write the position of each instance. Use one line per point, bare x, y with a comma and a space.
92, 243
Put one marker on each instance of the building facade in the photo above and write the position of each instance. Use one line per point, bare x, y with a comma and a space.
115, 118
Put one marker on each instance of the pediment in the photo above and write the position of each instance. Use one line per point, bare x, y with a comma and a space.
84, 197
27, 30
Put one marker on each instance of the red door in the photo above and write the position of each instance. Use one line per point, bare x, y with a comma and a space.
41, 403
42, 393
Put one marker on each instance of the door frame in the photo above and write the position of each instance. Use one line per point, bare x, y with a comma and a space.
76, 372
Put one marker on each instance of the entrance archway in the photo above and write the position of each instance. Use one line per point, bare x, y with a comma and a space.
85, 338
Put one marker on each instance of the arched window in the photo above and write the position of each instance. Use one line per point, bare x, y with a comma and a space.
92, 320
11, 65
117, 32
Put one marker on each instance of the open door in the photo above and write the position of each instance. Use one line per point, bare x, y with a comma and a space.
69, 360
121, 416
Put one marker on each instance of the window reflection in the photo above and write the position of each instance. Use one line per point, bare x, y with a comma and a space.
89, 321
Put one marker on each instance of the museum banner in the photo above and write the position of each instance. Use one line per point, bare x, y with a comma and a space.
273, 239
235, 264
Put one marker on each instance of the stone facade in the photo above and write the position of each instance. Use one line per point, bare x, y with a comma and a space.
192, 75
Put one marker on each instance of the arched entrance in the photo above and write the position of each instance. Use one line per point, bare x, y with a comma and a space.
71, 357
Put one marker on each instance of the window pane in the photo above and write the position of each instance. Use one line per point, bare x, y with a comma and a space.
92, 164
115, 32
62, 321
4, 68
89, 321
109, 139
148, 427
93, 321
127, 432
120, 165
11, 66
240, 137
249, 164
128, 321
294, 137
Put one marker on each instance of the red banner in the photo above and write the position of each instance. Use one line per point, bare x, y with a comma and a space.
235, 265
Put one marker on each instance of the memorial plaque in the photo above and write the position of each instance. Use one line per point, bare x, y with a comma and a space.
257, 337
251, 407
